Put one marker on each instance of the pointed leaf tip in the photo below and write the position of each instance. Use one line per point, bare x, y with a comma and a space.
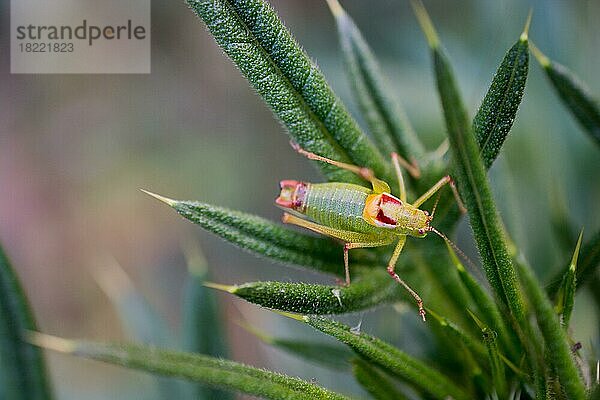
164, 199
540, 57
525, 34
573, 265
426, 24
218, 286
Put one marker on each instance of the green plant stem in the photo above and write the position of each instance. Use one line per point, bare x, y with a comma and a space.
558, 349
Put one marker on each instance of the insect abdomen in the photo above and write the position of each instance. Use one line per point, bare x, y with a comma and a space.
337, 205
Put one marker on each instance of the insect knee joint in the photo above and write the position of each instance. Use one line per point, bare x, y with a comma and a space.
366, 173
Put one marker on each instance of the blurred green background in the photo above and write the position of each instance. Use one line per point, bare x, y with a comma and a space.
74, 149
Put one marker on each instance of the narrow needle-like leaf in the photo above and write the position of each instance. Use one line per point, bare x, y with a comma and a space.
486, 306
500, 104
334, 357
252, 35
211, 371
498, 373
390, 359
263, 237
573, 93
587, 265
470, 174
369, 290
201, 324
385, 117
566, 294
22, 370
452, 330
557, 345
373, 381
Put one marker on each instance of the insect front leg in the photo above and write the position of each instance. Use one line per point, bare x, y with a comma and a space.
435, 188
391, 270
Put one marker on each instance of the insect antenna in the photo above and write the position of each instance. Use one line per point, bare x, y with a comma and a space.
455, 247
437, 200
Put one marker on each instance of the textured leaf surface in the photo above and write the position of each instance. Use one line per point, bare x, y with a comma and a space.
251, 34
391, 359
558, 349
386, 120
498, 372
587, 265
22, 370
373, 381
574, 94
488, 310
265, 238
371, 289
566, 294
498, 110
331, 356
211, 371
459, 335
471, 177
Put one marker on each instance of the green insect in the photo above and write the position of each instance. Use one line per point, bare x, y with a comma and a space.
359, 216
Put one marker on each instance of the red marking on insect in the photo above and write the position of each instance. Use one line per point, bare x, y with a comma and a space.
384, 217
292, 194
386, 198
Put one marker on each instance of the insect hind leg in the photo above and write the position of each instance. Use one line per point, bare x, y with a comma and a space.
367, 174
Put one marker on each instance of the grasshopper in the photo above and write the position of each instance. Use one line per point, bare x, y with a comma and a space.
362, 217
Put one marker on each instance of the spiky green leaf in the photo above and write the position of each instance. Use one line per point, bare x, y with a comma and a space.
471, 177
487, 308
459, 335
587, 265
327, 355
555, 338
574, 94
253, 36
366, 291
566, 294
211, 371
498, 110
496, 365
390, 359
22, 369
265, 238
375, 382
385, 117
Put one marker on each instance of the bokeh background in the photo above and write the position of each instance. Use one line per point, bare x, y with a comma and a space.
74, 149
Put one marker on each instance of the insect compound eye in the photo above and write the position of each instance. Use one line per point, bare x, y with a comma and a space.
421, 231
